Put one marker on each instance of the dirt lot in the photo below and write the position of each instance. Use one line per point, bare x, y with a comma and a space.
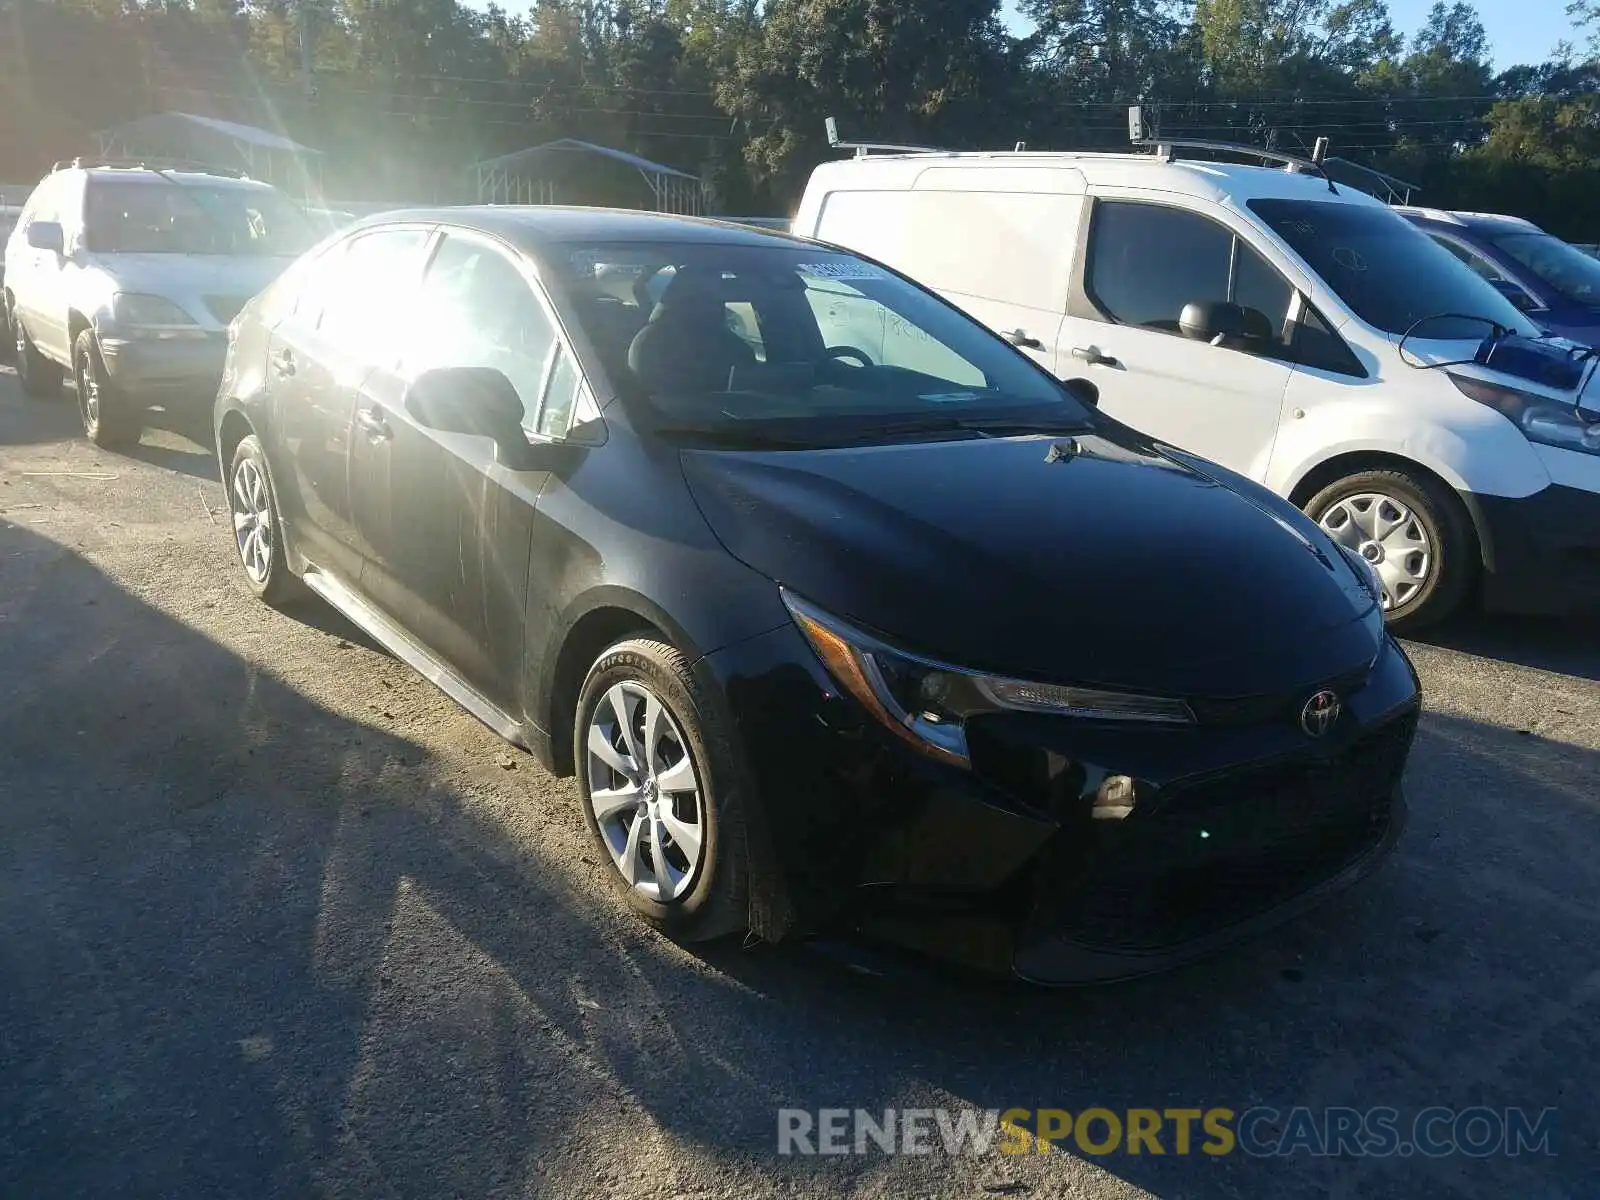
276, 918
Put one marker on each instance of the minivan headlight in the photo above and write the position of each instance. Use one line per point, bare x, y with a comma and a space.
1548, 422
152, 316
927, 703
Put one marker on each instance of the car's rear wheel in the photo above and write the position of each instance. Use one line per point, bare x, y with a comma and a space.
39, 377
257, 526
109, 419
1414, 534
660, 787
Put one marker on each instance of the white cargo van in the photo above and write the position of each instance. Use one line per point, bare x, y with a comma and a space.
1296, 331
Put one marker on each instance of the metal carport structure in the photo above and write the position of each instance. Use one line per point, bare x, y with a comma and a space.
569, 171
259, 153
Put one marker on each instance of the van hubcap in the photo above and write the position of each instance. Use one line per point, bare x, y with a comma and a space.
1385, 532
252, 520
645, 793
89, 391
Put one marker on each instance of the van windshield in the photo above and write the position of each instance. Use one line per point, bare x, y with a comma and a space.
158, 216
1389, 273
794, 342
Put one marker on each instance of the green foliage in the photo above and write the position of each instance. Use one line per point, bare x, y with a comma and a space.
403, 95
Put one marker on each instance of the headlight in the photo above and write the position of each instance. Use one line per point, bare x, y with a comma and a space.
927, 703
134, 311
1549, 422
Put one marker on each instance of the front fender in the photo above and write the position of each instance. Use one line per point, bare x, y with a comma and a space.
1472, 448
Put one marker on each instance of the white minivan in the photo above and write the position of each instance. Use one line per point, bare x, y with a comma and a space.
1293, 330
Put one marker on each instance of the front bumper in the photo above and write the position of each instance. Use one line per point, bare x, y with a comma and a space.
165, 368
1541, 552
1239, 824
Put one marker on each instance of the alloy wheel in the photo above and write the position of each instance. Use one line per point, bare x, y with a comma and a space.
252, 520
645, 792
1387, 533
88, 390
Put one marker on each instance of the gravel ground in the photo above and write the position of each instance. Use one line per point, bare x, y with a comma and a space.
276, 918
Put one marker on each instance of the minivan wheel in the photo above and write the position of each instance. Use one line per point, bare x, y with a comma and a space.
109, 420
1414, 534
658, 780
257, 528
40, 378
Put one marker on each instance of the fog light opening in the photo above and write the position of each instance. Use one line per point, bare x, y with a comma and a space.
1115, 799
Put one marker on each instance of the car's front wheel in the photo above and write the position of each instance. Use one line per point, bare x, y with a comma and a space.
660, 788
1415, 535
40, 378
257, 527
109, 419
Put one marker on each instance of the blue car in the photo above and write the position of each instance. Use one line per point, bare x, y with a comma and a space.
1554, 282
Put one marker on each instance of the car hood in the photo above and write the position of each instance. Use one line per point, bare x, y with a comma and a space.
1079, 560
187, 277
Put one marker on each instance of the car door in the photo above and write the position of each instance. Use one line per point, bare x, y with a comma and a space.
446, 526
38, 286
319, 353
1143, 261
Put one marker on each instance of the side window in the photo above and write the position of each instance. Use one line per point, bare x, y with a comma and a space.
847, 318
1477, 262
477, 310
561, 397
1317, 345
364, 300
1146, 262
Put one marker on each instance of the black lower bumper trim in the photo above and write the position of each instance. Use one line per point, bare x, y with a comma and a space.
1541, 552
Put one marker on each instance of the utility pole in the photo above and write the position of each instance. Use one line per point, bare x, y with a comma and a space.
302, 13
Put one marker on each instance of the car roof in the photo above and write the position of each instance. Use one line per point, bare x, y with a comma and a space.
534, 226
1488, 222
1222, 182
169, 177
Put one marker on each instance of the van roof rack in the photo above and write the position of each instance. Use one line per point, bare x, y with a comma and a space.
148, 163
862, 149
1165, 147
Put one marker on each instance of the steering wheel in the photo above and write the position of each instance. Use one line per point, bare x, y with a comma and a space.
849, 352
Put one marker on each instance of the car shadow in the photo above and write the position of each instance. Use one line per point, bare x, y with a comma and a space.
253, 945
1566, 646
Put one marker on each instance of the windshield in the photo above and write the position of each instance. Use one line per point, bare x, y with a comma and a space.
1566, 268
154, 216
1390, 273
810, 344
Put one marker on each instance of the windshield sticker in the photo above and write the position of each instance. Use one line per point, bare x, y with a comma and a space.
948, 397
843, 270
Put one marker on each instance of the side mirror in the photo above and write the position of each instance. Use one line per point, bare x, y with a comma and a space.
1214, 321
47, 235
1518, 297
1082, 391
476, 400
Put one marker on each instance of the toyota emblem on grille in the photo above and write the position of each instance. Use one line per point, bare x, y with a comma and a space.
1319, 714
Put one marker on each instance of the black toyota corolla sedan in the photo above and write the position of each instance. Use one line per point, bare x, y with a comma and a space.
843, 612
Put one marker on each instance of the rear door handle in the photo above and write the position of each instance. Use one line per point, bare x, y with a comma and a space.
1018, 337
283, 364
1092, 356
373, 425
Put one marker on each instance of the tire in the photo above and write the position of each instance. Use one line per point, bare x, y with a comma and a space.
109, 419
1427, 553
8, 342
707, 890
258, 541
40, 378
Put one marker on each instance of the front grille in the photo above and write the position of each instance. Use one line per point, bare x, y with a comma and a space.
1279, 706
1215, 851
226, 308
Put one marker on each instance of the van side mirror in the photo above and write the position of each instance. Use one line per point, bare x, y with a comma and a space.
1214, 321
47, 235
474, 400
1518, 297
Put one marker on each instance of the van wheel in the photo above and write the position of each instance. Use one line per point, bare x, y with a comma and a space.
40, 378
1413, 532
659, 784
109, 420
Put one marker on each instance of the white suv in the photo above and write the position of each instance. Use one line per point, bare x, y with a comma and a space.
128, 277
1291, 329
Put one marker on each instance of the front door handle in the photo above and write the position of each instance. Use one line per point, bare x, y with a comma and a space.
283, 364
1018, 337
373, 425
1092, 356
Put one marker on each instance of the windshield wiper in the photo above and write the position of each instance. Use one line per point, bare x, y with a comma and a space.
733, 438
986, 427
